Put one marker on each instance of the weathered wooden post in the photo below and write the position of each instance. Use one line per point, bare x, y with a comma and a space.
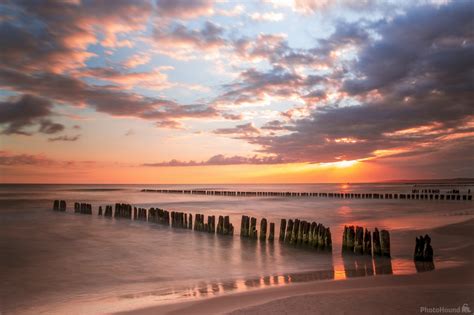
315, 241
328, 240
56, 205
190, 221
344, 238
231, 229
301, 228
321, 236
294, 233
367, 243
282, 230
77, 207
351, 238
289, 231
253, 228
271, 234
376, 248
226, 225
359, 240
307, 226
62, 205
100, 210
385, 243
220, 225
263, 229
244, 224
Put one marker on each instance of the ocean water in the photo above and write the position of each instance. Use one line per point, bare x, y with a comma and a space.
66, 263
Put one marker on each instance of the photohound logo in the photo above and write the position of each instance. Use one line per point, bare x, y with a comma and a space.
463, 309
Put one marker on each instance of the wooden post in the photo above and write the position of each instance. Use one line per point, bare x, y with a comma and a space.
311, 233
307, 226
376, 249
220, 225
253, 228
282, 230
315, 242
385, 243
359, 240
328, 240
100, 210
321, 236
367, 243
62, 205
350, 238
190, 221
301, 228
289, 231
294, 233
226, 225
344, 238
271, 234
56, 205
263, 229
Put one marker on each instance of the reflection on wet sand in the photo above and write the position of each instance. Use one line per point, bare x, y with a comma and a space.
362, 266
423, 266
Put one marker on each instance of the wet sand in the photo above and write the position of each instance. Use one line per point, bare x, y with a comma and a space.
450, 287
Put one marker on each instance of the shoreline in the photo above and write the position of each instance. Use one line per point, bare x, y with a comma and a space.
448, 287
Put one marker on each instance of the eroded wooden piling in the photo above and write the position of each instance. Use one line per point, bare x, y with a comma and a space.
271, 233
263, 229
385, 243
376, 248
282, 230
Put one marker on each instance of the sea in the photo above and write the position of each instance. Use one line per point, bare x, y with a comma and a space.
65, 263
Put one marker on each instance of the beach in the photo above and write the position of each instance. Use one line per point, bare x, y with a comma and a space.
450, 288
67, 263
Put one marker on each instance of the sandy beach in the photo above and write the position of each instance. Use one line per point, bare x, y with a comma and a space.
451, 288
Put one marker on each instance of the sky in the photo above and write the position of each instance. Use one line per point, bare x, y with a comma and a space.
200, 91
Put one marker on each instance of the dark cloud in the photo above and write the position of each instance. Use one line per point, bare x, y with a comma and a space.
65, 138
242, 130
106, 99
54, 35
183, 9
420, 66
220, 160
210, 36
20, 112
49, 127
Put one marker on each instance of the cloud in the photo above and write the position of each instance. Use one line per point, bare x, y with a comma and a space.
181, 42
244, 130
20, 112
65, 138
49, 127
105, 99
411, 90
184, 9
9, 159
137, 60
154, 79
55, 36
220, 160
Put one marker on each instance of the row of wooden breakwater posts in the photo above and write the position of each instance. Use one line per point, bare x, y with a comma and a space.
340, 195
355, 240
296, 232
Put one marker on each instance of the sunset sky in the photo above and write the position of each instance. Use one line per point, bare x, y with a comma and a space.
181, 91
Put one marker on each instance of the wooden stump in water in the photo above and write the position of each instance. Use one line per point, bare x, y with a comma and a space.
282, 230
220, 225
367, 243
307, 226
253, 228
226, 225
263, 229
100, 210
359, 240
376, 248
385, 243
327, 240
321, 236
289, 231
190, 221
62, 205
294, 233
350, 238
243, 226
315, 242
56, 205
344, 238
271, 234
